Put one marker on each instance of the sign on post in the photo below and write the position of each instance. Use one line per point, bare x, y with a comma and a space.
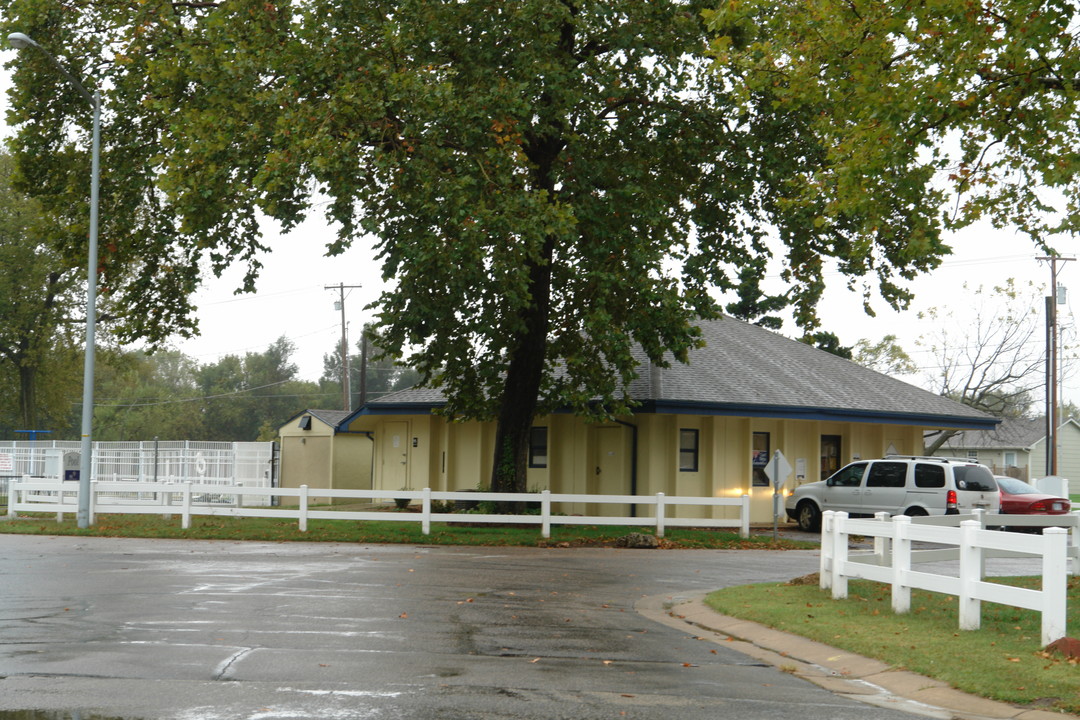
777, 470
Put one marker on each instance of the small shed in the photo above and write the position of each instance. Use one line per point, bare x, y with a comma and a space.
316, 453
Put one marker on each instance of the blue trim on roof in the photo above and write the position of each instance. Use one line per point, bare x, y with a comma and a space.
779, 412
789, 412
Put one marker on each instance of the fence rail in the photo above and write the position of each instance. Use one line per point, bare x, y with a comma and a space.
28, 495
971, 543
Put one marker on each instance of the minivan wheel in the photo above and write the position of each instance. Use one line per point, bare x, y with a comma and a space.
915, 512
809, 517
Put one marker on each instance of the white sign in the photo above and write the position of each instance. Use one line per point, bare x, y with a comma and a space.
778, 470
7, 462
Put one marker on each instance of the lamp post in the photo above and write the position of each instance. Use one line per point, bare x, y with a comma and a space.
20, 41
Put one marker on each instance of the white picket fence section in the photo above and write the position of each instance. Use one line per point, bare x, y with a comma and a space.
970, 544
28, 495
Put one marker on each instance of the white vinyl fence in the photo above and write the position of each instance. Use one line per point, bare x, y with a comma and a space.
248, 464
969, 543
187, 499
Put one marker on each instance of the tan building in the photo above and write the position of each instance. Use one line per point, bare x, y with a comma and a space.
316, 453
705, 428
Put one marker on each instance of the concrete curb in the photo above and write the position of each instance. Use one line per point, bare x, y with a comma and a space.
838, 671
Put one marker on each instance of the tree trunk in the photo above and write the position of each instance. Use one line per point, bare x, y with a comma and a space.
28, 397
522, 386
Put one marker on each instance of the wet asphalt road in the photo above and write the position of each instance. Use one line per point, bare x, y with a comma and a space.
159, 629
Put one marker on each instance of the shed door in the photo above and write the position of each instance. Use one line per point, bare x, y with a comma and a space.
395, 456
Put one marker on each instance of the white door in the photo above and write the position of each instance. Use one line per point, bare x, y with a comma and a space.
395, 455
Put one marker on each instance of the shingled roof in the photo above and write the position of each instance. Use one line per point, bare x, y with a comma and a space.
746, 370
1011, 434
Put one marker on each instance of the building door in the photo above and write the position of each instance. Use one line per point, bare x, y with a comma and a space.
830, 455
611, 470
395, 456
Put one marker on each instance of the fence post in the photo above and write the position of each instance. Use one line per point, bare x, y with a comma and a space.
901, 564
882, 546
185, 507
744, 515
828, 529
1054, 584
545, 514
970, 607
840, 556
659, 514
303, 507
13, 496
93, 502
1074, 545
425, 511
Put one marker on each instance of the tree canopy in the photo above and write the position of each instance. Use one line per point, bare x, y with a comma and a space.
550, 183
979, 95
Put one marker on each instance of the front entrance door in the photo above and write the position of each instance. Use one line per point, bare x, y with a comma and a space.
611, 470
395, 455
830, 455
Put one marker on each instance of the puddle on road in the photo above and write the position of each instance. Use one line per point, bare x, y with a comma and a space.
56, 715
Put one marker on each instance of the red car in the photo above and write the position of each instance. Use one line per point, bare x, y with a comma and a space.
1020, 498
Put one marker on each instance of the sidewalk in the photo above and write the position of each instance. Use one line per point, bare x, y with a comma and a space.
838, 671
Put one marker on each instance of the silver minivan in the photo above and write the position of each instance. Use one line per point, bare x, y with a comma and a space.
899, 485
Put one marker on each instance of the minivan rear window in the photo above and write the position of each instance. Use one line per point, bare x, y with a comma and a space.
929, 476
975, 478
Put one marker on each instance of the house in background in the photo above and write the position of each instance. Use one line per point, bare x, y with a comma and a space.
706, 428
1017, 447
316, 453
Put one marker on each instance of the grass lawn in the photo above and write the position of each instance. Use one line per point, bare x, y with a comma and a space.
1003, 660
280, 530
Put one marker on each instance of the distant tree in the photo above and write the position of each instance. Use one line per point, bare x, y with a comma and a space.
142, 396
885, 356
994, 362
39, 299
383, 374
241, 397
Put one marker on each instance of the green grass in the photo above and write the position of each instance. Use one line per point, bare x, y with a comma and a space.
1003, 660
353, 531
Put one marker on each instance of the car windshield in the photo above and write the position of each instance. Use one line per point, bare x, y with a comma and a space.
974, 478
1016, 487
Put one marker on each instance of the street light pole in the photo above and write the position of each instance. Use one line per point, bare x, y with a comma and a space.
20, 41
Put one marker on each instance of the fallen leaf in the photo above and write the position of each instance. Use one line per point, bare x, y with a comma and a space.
535, 660
404, 615
628, 695
607, 662
713, 652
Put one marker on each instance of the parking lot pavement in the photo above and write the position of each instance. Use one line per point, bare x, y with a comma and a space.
197, 630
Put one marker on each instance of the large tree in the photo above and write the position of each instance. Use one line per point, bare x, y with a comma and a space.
549, 182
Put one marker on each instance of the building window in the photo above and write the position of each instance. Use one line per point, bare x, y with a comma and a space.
538, 450
1010, 459
688, 450
760, 459
973, 455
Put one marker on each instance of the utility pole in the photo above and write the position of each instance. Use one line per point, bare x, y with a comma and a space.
1052, 301
346, 391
